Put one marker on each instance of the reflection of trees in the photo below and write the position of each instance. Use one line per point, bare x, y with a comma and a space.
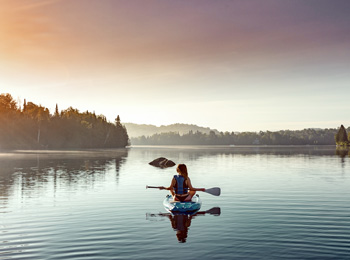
182, 222
342, 152
70, 168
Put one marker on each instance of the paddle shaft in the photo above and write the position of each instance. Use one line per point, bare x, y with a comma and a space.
213, 191
153, 187
156, 187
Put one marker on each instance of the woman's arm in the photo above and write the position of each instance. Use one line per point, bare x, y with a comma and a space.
171, 187
190, 187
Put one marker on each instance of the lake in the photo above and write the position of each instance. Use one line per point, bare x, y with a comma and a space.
276, 203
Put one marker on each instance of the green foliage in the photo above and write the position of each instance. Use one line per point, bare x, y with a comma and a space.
35, 128
7, 104
341, 138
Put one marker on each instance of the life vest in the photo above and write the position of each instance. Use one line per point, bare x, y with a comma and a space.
180, 186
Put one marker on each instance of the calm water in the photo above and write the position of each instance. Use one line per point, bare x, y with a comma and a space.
276, 203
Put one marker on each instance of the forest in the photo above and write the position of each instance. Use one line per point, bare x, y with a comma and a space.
136, 130
33, 127
283, 137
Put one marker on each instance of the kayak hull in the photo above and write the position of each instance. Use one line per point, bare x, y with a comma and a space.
182, 207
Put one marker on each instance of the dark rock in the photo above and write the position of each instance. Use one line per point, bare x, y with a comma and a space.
162, 162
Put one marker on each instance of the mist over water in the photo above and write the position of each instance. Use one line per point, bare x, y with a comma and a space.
276, 203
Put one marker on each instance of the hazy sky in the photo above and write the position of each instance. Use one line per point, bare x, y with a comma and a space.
233, 65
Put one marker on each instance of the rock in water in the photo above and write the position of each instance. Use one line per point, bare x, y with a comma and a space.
162, 162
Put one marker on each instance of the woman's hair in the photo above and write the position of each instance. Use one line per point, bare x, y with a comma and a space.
181, 168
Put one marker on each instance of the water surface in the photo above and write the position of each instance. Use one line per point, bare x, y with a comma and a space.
276, 203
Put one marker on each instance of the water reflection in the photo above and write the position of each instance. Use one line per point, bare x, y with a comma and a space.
181, 222
342, 152
28, 170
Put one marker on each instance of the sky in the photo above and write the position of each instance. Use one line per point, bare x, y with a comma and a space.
231, 65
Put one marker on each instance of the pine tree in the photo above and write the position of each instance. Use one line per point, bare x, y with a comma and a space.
117, 120
57, 114
341, 138
24, 105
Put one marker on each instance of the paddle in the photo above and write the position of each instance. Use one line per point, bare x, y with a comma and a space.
213, 191
216, 211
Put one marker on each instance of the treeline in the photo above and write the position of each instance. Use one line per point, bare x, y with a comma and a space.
136, 130
283, 137
33, 127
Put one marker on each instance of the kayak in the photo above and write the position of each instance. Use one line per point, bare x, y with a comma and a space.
182, 207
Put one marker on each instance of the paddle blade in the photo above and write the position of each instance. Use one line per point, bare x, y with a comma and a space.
214, 191
216, 211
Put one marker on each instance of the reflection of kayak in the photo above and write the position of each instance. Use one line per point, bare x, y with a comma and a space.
185, 207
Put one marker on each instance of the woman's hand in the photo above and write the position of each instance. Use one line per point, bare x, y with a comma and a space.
163, 188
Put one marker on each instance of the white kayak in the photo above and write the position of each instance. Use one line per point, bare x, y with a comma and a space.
182, 207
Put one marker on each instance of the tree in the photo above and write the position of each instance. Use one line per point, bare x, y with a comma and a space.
7, 103
341, 138
57, 114
117, 121
24, 105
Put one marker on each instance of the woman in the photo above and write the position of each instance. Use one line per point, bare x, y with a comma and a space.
181, 188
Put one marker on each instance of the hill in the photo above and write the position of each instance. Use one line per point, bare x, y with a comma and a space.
136, 130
